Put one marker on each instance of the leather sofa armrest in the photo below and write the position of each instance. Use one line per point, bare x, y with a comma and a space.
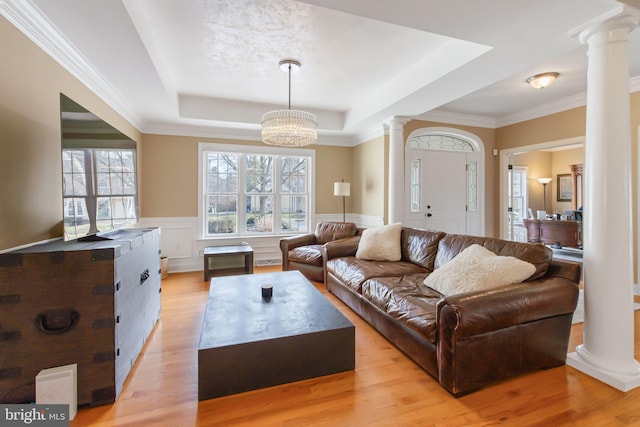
289, 243
476, 313
340, 248
565, 269
489, 335
337, 249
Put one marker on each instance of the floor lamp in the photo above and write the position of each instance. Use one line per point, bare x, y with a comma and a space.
342, 189
544, 182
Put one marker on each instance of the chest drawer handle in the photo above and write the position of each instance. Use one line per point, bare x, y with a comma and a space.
144, 276
70, 320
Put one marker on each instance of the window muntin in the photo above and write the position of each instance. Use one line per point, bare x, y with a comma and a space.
518, 198
472, 186
294, 182
416, 181
274, 190
99, 190
221, 189
440, 142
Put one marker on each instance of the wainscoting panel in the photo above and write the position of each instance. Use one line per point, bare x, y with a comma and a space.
176, 242
183, 246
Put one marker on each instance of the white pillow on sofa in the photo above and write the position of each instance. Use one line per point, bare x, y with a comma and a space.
380, 244
477, 268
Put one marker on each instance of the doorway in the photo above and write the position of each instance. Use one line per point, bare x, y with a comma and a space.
506, 159
444, 181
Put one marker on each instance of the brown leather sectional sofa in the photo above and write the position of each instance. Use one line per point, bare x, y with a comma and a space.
469, 340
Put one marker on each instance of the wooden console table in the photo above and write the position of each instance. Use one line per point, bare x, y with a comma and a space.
554, 232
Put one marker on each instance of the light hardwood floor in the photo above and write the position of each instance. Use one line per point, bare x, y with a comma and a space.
386, 388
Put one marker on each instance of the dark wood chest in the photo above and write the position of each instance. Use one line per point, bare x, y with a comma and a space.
92, 303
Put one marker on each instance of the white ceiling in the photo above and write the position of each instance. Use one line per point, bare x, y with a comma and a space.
210, 67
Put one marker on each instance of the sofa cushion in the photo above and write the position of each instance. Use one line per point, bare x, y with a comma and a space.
538, 255
330, 231
477, 268
353, 271
420, 246
310, 254
381, 244
406, 299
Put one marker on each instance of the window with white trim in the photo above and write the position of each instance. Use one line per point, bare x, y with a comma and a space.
254, 191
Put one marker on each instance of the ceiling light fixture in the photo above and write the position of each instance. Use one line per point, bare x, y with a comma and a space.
289, 128
540, 81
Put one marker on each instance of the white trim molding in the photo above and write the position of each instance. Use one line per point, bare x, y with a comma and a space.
33, 24
180, 243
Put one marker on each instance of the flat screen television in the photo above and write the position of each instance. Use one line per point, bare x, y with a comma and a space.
99, 182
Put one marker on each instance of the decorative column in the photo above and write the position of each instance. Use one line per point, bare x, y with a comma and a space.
396, 169
607, 352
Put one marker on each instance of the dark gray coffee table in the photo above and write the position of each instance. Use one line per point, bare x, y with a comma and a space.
248, 342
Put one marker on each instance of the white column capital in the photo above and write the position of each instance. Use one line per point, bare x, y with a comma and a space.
610, 28
396, 122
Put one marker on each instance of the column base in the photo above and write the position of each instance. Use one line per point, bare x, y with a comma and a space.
620, 381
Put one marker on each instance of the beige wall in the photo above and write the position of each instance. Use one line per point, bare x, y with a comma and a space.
332, 165
538, 165
30, 143
370, 178
542, 164
169, 171
563, 125
561, 162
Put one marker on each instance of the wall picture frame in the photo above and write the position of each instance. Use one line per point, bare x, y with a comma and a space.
564, 187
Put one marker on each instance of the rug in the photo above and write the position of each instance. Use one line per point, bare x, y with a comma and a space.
578, 315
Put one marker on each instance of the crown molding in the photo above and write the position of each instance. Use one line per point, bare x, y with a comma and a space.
233, 133
558, 106
568, 103
33, 24
457, 119
370, 134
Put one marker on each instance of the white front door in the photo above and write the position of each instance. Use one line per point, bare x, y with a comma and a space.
437, 183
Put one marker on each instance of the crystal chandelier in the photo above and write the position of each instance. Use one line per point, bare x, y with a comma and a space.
289, 128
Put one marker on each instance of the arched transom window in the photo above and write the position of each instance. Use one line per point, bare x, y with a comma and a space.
439, 142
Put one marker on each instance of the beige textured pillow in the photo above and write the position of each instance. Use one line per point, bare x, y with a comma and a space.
477, 268
380, 244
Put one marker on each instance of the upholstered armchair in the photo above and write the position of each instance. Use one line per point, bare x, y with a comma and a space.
304, 252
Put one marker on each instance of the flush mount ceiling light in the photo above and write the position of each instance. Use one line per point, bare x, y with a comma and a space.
540, 81
289, 128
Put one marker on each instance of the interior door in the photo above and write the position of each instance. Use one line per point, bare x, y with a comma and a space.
438, 187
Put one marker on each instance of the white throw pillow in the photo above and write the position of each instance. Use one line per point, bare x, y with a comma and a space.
381, 244
477, 268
